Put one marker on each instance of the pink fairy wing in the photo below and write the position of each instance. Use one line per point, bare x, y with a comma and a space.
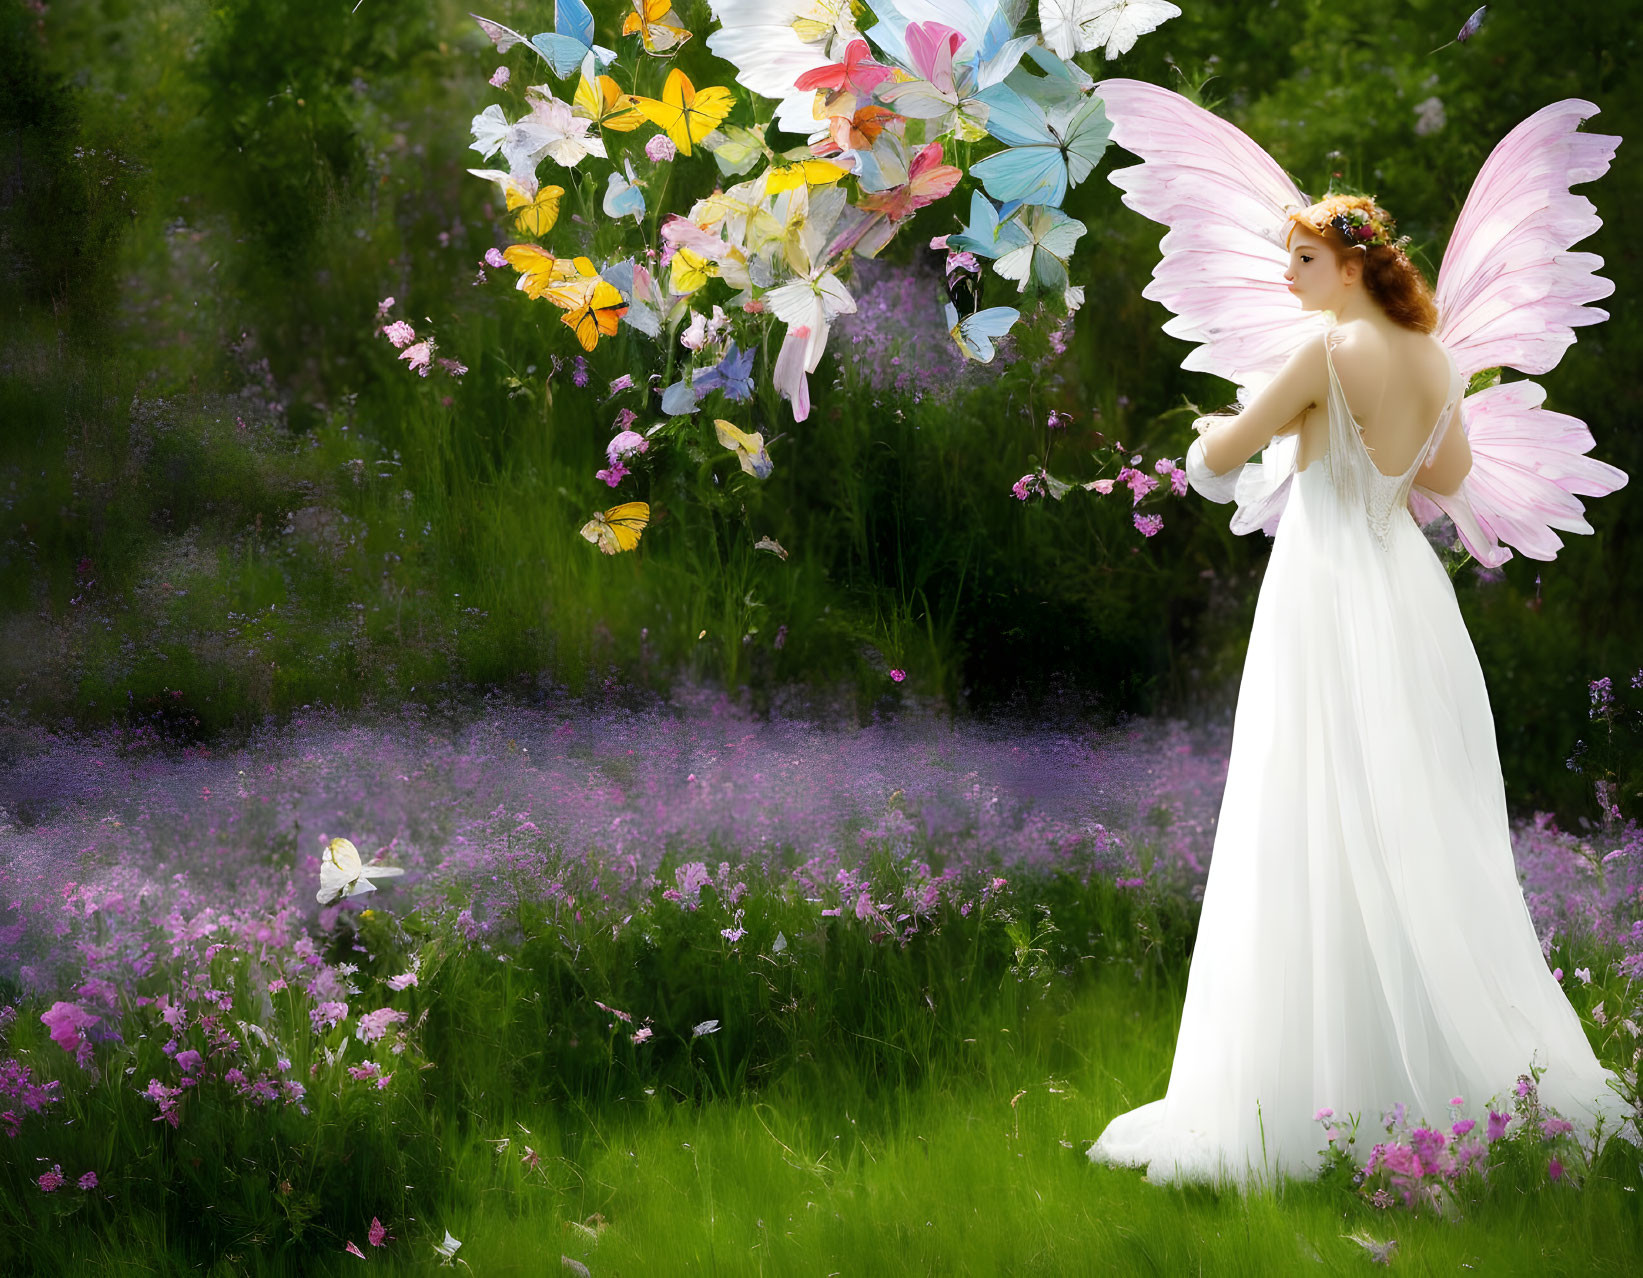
1510, 293
1529, 467
1225, 201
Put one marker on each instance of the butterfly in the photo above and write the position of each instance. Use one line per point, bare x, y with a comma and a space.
687, 114
854, 77
749, 449
657, 27
539, 270
341, 873
623, 198
618, 528
570, 43
737, 149
1113, 26
928, 179
975, 333
1049, 237
535, 209
785, 174
940, 89
592, 305
1048, 151
602, 101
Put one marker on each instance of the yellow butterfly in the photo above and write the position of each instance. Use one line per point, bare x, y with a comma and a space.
619, 527
690, 271
606, 105
655, 23
539, 270
535, 209
749, 449
686, 113
785, 175
592, 305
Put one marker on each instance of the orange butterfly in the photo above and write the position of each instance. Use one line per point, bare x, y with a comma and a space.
592, 305
539, 270
655, 23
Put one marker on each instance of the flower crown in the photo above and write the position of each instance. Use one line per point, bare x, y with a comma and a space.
1361, 230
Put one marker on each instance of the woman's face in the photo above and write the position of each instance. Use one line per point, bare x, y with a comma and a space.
1314, 275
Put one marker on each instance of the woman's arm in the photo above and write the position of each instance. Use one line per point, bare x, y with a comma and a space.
1279, 408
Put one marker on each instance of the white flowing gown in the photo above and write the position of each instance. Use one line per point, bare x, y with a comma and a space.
1364, 939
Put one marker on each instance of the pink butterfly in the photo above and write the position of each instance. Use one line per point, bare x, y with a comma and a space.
856, 75
928, 179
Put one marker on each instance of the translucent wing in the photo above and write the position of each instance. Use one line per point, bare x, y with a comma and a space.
1225, 202
1510, 293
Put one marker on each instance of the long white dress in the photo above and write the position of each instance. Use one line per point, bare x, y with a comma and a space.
1364, 939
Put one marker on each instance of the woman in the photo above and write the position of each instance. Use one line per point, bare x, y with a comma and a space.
1364, 939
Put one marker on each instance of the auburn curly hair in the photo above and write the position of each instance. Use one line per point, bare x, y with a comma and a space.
1394, 281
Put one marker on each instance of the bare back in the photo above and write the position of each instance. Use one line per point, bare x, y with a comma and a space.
1396, 382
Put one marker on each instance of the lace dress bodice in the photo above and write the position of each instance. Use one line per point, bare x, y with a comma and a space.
1357, 481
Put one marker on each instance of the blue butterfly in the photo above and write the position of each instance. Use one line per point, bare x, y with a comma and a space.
989, 234
1048, 150
975, 333
623, 198
733, 375
570, 43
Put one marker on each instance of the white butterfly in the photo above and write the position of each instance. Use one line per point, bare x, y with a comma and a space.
1074, 26
341, 873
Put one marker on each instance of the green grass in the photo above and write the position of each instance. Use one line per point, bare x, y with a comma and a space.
977, 1169
865, 1108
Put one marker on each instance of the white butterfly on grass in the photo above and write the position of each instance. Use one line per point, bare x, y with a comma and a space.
341, 873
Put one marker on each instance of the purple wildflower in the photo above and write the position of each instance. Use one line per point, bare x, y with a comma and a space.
660, 149
1148, 525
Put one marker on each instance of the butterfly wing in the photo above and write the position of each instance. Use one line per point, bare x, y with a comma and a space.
702, 111
537, 216
623, 198
1510, 293
749, 448
602, 101
339, 870
504, 38
618, 528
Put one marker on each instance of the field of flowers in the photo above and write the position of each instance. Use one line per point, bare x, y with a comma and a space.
682, 925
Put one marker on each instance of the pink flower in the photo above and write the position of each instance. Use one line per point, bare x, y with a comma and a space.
418, 357
1554, 1170
1457, 1100
276, 985
379, 1233
1178, 482
399, 333
1555, 1127
52, 1180
373, 1025
454, 367
88, 1181
660, 149
626, 418
614, 474
364, 1073
189, 1061
1103, 486
1497, 1125
353, 1250
494, 258
384, 306
66, 1020
622, 383
642, 1034
1148, 525
397, 983
1140, 482
499, 78
625, 444
1164, 466
1323, 1114
898, 675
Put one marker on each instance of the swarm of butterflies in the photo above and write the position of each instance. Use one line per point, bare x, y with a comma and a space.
871, 111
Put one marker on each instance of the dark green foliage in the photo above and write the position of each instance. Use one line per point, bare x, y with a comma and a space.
282, 168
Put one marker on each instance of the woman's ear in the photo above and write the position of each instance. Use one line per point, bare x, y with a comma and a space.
1352, 269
